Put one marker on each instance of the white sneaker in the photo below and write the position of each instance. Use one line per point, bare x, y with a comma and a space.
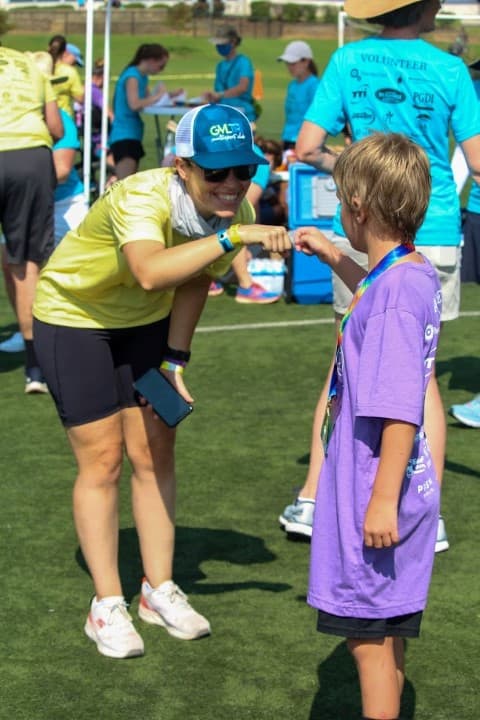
110, 626
168, 606
441, 543
34, 382
297, 519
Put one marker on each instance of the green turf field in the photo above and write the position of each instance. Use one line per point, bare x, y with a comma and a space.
255, 374
240, 457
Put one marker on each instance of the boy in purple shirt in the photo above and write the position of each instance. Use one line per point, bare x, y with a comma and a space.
377, 505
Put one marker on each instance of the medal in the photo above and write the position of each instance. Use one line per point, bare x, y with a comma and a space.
333, 402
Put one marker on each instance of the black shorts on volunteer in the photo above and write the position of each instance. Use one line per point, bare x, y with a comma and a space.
406, 626
27, 183
90, 372
127, 149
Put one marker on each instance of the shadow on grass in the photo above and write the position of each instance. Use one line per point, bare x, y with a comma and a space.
458, 468
230, 289
7, 330
9, 361
464, 372
195, 545
338, 694
298, 538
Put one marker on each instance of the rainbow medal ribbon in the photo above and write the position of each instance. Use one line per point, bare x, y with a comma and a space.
333, 402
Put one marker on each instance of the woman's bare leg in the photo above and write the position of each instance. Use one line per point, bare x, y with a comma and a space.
150, 447
98, 449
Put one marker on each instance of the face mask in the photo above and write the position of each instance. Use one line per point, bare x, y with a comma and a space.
224, 49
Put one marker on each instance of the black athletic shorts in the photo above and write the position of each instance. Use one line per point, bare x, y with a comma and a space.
470, 268
407, 626
27, 182
90, 372
127, 149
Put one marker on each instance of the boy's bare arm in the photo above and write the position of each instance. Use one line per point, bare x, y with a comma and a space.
380, 528
312, 241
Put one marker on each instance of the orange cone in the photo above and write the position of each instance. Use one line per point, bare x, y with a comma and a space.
257, 91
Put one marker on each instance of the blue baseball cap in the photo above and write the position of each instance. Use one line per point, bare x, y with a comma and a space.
216, 136
76, 52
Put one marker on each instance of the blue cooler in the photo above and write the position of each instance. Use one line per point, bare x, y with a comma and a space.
312, 200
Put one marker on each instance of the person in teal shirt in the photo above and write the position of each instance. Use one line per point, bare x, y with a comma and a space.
395, 81
131, 96
470, 271
298, 58
234, 75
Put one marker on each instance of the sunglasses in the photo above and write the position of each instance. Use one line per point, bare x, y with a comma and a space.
241, 172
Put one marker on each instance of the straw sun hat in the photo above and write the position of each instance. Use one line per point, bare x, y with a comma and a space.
362, 9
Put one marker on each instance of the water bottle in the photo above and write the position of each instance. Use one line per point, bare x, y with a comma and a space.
169, 147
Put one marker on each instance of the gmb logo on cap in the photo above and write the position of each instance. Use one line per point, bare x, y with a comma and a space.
217, 136
229, 131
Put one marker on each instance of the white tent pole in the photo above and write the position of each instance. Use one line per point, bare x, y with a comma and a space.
87, 108
341, 28
106, 85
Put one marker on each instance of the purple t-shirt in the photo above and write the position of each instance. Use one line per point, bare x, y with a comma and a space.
386, 360
97, 96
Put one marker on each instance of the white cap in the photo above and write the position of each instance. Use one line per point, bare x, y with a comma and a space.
295, 51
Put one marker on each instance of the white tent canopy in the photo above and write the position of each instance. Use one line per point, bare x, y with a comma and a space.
87, 145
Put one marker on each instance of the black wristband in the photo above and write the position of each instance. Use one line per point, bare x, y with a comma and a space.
183, 355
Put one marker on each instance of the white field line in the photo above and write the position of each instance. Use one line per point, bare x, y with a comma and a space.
179, 76
288, 324
186, 76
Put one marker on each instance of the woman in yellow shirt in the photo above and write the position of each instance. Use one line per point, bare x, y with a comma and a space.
29, 122
66, 80
123, 294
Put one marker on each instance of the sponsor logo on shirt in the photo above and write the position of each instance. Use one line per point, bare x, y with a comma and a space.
392, 96
431, 331
429, 363
426, 488
366, 115
423, 118
423, 101
359, 94
420, 463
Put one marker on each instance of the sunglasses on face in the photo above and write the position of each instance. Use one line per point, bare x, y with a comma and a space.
241, 172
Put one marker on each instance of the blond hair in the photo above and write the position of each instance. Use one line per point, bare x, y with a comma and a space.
389, 176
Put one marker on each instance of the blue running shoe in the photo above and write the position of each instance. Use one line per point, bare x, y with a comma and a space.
468, 414
297, 519
215, 289
255, 294
14, 344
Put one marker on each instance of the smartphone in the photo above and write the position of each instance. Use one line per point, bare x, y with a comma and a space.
165, 400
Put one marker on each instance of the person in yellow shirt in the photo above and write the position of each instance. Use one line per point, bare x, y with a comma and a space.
122, 294
66, 80
29, 120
